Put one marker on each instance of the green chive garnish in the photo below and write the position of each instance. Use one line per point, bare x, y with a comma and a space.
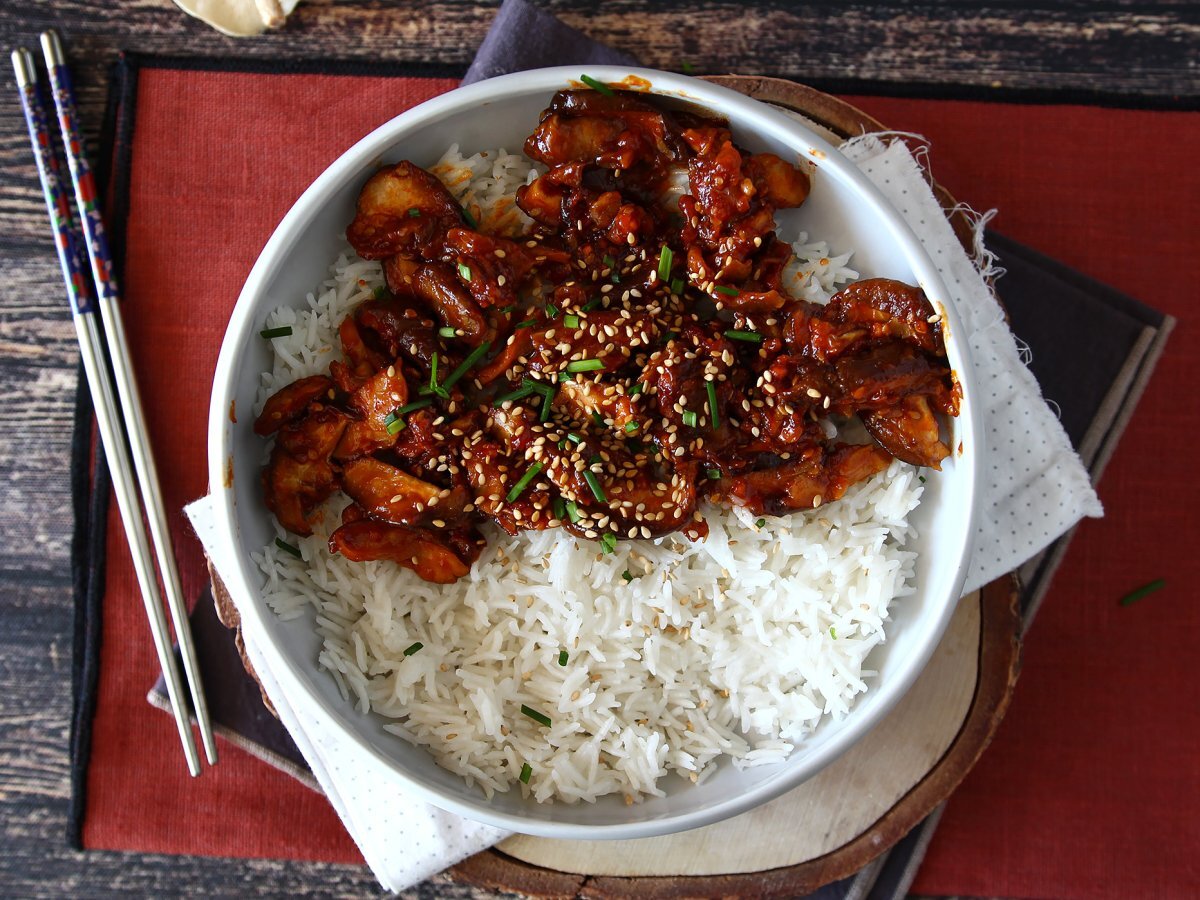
609, 261
571, 321
752, 337
585, 365
597, 85
727, 290
598, 419
594, 484
559, 508
608, 543
281, 331
380, 291
395, 419
551, 310
676, 285
1134, 596
288, 548
526, 772
562, 657
528, 323
538, 717
547, 399
413, 212
447, 332
434, 387
714, 474
631, 427
572, 436
833, 632
469, 219
412, 407
519, 487
464, 271
520, 393
690, 418
591, 304
713, 415
760, 523
461, 369
627, 576
665, 258
921, 478
573, 511
413, 648
637, 388
396, 425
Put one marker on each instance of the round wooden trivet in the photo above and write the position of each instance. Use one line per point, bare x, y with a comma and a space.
997, 666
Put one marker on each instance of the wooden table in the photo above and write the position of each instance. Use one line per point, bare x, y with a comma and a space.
1140, 49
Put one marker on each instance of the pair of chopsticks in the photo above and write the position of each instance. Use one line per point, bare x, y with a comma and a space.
106, 362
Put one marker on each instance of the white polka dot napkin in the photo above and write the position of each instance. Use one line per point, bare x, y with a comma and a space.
1034, 490
1033, 486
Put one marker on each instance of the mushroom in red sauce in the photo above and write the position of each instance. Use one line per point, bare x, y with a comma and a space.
626, 358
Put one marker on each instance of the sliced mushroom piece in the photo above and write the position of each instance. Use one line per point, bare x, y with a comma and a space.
412, 548
909, 432
291, 402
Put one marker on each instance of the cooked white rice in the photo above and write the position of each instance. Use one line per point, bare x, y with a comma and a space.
740, 644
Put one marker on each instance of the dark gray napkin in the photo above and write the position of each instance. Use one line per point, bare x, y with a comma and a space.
1092, 351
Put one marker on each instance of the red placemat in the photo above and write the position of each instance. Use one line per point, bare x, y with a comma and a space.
1089, 788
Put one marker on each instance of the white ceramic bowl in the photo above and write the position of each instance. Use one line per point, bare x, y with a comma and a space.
844, 208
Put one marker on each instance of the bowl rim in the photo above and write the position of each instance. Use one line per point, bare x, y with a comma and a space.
242, 582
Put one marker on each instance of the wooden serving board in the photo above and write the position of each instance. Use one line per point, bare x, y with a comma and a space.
837, 822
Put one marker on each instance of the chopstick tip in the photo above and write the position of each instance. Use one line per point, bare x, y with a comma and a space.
23, 65
52, 48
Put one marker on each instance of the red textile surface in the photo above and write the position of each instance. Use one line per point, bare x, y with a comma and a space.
1091, 784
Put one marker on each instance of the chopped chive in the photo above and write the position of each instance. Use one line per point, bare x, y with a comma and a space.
289, 548
281, 331
585, 365
597, 85
413, 212
609, 261
573, 511
714, 474
547, 400
637, 388
469, 219
559, 508
461, 369
412, 407
520, 393
508, 309
551, 310
608, 543
713, 415
635, 446
751, 337
670, 336
690, 418
562, 657
833, 632
665, 258
540, 718
464, 271
676, 285
631, 427
448, 332
598, 419
1134, 596
760, 523
572, 436
526, 771
526, 324
519, 487
627, 576
921, 478
571, 321
563, 376
413, 648
591, 304
594, 484
615, 278
380, 291
396, 426
727, 290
